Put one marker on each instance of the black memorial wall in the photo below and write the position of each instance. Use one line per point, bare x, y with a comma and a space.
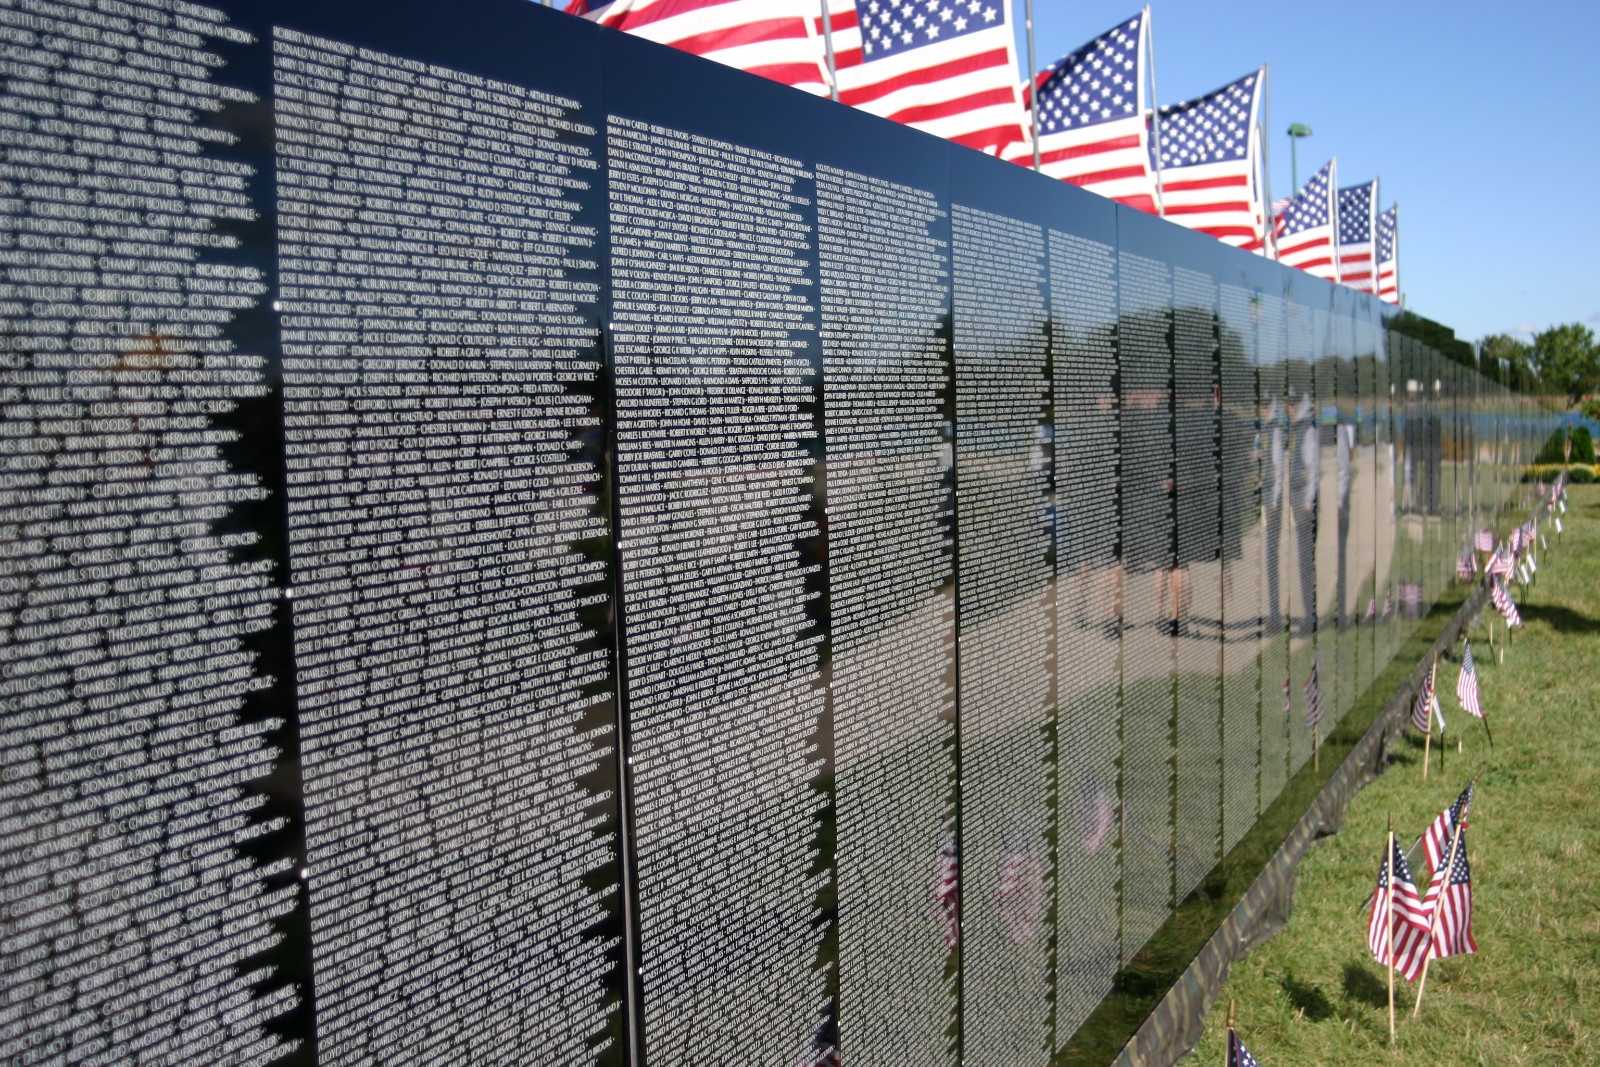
521, 546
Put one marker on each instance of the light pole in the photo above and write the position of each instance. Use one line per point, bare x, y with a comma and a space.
1297, 130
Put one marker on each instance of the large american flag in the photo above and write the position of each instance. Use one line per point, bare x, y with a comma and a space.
1389, 256
1467, 684
1210, 166
1358, 218
1306, 236
772, 38
1410, 917
1451, 893
946, 67
1090, 109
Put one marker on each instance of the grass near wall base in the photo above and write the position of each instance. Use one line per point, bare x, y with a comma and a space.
1314, 995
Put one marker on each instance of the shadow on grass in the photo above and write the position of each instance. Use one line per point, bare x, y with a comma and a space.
1361, 985
1308, 1001
1561, 619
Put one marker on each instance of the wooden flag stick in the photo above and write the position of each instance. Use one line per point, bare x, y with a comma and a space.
1227, 1051
1427, 746
1433, 922
1427, 740
1388, 862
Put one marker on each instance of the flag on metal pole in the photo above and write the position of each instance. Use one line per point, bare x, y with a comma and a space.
1307, 235
1389, 257
775, 39
1090, 111
1358, 223
1211, 163
946, 69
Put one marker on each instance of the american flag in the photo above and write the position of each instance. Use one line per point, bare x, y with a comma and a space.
1451, 893
947, 893
1466, 565
1358, 218
772, 38
1306, 234
1389, 256
1313, 693
1091, 114
1422, 707
1483, 540
1410, 917
946, 67
1372, 609
1503, 602
1499, 565
1288, 698
1467, 684
1436, 842
1210, 165
1238, 1055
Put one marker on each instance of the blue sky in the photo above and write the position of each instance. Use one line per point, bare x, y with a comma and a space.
1478, 117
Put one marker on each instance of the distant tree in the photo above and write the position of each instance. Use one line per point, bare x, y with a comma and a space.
1569, 360
1502, 346
1591, 408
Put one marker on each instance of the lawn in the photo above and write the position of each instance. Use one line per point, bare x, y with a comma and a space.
1314, 995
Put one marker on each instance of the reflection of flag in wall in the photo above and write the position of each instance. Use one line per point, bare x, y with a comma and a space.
771, 38
947, 893
1307, 234
1211, 163
1389, 256
1409, 917
946, 68
1313, 692
1483, 540
1466, 565
1021, 893
1358, 218
1091, 115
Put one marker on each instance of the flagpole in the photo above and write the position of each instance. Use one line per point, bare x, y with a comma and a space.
827, 40
1388, 862
1155, 109
1227, 1052
1433, 922
1267, 249
1033, 86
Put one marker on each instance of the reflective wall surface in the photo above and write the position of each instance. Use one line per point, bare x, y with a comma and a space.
521, 545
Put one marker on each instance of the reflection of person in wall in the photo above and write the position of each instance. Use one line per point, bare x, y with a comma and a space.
1345, 434
1303, 480
1275, 431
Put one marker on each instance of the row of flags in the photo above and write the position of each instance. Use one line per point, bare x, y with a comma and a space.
1405, 928
949, 68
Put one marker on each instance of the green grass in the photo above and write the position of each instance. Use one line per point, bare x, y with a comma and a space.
1314, 995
